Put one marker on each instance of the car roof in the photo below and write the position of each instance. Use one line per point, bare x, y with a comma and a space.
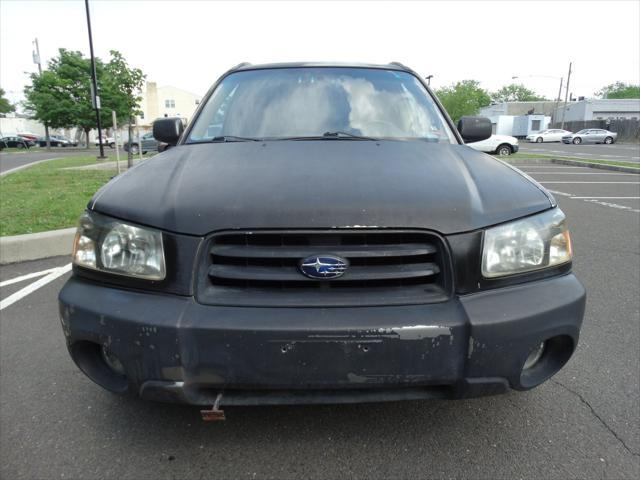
388, 66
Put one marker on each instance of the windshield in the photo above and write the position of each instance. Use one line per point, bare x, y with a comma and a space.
311, 102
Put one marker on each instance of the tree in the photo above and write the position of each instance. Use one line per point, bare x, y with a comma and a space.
61, 95
516, 93
463, 98
5, 105
619, 90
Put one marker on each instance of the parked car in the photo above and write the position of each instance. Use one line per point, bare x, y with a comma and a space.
551, 135
107, 142
498, 144
591, 135
29, 136
56, 141
149, 144
14, 142
335, 242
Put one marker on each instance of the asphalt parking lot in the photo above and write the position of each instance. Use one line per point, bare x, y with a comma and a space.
584, 423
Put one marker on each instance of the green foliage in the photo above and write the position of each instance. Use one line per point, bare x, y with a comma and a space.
619, 90
5, 105
463, 98
516, 93
61, 95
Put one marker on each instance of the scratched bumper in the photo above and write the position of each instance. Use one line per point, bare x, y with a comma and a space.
174, 349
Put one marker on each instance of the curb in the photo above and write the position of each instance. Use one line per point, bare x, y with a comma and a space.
34, 246
573, 163
615, 168
22, 167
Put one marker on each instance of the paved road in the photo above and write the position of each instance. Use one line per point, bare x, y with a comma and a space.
9, 161
584, 423
617, 151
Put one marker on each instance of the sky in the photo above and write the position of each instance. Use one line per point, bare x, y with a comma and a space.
189, 44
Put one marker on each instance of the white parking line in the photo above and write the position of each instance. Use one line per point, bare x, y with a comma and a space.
597, 201
22, 278
32, 287
611, 198
628, 183
578, 173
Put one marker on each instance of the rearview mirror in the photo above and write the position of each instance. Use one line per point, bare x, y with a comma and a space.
474, 129
168, 130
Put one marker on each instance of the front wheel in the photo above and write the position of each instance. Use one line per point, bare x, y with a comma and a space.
608, 140
503, 150
19, 146
539, 140
134, 149
577, 141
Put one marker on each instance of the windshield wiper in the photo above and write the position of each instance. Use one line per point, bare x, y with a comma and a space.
328, 136
346, 135
233, 138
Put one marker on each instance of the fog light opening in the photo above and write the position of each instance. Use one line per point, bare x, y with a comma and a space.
100, 365
112, 361
534, 356
545, 360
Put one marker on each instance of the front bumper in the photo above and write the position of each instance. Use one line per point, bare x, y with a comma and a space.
515, 148
174, 349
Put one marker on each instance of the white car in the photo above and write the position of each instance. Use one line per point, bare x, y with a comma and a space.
551, 135
499, 144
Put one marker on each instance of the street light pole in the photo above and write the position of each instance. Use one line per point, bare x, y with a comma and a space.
36, 60
94, 82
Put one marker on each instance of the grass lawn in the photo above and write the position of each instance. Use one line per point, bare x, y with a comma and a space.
46, 197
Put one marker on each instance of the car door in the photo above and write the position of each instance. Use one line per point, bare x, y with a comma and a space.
599, 135
592, 136
555, 136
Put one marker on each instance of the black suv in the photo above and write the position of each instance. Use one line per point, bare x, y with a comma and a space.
321, 234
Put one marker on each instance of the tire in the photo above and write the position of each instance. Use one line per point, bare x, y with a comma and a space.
577, 141
608, 140
134, 149
19, 146
539, 140
504, 150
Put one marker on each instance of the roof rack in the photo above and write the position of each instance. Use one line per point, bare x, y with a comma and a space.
398, 64
240, 65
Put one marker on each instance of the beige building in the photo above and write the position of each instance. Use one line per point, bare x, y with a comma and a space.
167, 101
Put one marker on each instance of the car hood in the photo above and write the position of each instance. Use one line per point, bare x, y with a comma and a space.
197, 189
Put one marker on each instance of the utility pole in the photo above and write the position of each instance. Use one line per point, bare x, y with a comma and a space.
94, 81
36, 60
566, 96
555, 110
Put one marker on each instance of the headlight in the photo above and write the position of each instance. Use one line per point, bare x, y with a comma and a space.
112, 246
525, 245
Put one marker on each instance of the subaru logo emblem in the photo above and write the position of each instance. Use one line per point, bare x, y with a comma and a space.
322, 267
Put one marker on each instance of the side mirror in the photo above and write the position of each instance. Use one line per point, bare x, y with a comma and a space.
474, 129
168, 130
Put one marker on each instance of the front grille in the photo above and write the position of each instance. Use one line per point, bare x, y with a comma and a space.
385, 268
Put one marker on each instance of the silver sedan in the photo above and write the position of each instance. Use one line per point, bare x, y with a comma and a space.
591, 135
